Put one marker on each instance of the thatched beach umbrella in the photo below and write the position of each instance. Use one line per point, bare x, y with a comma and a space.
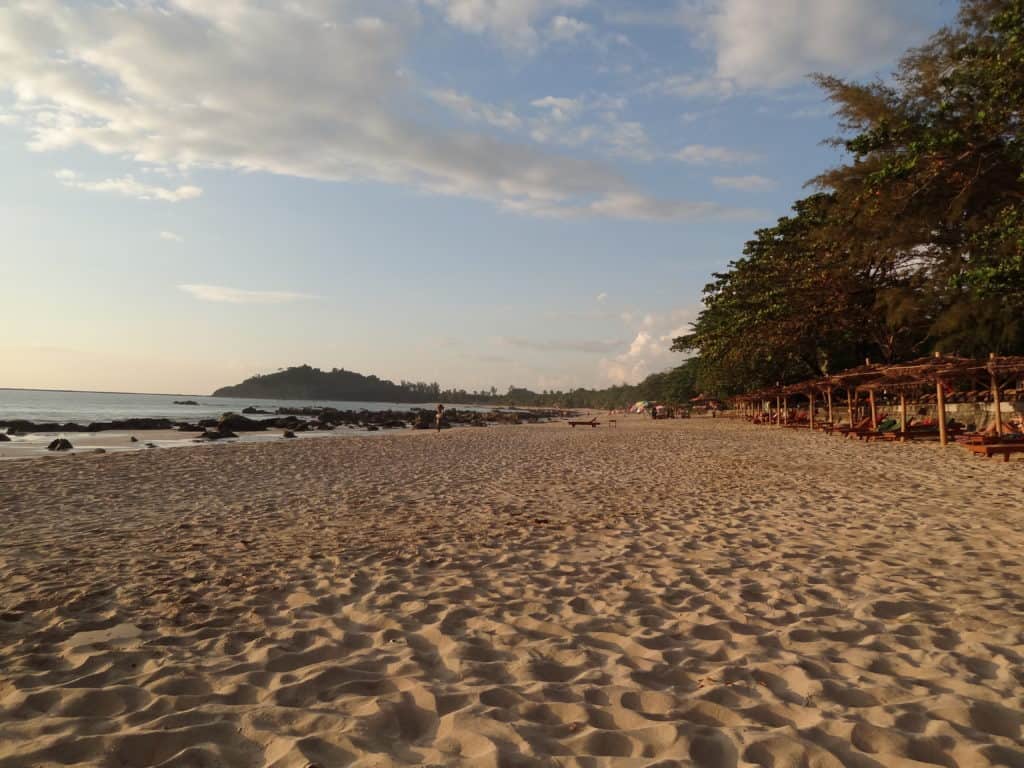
809, 389
852, 378
939, 369
1001, 366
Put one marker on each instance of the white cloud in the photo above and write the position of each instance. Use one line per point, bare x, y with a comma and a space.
687, 86
566, 28
219, 293
743, 183
511, 22
129, 187
820, 110
650, 349
760, 44
470, 109
641, 208
315, 91
171, 236
593, 120
560, 108
701, 154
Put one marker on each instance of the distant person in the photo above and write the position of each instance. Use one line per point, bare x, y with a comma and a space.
439, 416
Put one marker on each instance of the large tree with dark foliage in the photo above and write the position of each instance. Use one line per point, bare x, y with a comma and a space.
915, 243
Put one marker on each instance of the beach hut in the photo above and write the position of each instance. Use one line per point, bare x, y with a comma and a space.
810, 390
1000, 370
850, 379
941, 371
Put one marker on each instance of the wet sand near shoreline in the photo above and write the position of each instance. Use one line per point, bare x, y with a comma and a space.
33, 445
694, 592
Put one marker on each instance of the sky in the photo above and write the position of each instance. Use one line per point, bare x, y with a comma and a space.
474, 192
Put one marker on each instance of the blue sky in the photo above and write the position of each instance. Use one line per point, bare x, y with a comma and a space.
478, 192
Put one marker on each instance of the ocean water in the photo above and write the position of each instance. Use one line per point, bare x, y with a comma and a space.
41, 405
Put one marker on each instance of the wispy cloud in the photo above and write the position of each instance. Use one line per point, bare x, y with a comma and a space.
470, 109
514, 23
593, 347
129, 186
702, 154
566, 28
220, 293
743, 183
172, 237
820, 110
360, 119
560, 108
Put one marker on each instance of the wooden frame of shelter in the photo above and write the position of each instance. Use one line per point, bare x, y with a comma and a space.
939, 370
765, 397
853, 378
997, 367
826, 386
936, 371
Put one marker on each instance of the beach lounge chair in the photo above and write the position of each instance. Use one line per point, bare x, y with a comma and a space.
996, 449
583, 423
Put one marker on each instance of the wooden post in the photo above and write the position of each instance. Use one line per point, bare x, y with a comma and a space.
810, 413
828, 398
995, 395
849, 405
940, 401
778, 410
874, 412
903, 416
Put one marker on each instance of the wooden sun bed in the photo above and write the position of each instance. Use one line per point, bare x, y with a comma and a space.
996, 449
920, 433
581, 423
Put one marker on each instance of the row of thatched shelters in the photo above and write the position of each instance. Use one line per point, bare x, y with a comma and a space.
927, 379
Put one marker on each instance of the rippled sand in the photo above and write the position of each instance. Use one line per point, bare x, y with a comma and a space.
676, 593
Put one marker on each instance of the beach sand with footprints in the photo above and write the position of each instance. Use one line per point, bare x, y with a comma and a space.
696, 592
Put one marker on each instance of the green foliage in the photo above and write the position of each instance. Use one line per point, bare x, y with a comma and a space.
915, 243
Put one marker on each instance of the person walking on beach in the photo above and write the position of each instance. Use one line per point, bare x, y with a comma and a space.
439, 416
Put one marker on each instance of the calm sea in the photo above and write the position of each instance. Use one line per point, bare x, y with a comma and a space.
82, 407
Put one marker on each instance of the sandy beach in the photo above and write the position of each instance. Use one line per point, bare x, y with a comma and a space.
695, 592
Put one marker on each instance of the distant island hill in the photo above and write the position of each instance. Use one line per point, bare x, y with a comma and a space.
303, 382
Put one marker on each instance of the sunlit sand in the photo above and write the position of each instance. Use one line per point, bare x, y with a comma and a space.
696, 592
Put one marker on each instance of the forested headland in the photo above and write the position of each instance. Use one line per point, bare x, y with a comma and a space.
913, 244
306, 383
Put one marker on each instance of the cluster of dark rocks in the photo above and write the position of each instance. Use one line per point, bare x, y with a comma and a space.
21, 426
294, 420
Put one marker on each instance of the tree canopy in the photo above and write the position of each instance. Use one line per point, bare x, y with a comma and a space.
914, 243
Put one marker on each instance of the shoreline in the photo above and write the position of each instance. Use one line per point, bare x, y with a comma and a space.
363, 424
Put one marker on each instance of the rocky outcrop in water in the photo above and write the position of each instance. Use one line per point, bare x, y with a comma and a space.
300, 419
